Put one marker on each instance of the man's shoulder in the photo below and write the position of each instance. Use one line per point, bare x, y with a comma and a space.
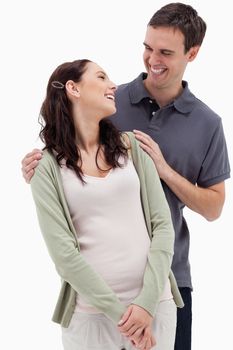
129, 85
201, 111
123, 97
123, 87
188, 102
206, 113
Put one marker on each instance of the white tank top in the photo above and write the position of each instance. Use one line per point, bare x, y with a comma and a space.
108, 218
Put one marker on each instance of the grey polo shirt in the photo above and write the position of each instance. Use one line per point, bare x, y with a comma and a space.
192, 141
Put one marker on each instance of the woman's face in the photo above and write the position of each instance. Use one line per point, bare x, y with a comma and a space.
96, 91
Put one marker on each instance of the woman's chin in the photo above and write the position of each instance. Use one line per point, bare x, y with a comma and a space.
109, 112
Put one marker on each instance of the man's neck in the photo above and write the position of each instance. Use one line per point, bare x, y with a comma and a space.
163, 96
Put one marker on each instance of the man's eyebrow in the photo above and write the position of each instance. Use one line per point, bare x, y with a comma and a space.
166, 50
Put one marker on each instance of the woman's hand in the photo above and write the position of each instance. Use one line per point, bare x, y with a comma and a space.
136, 325
146, 341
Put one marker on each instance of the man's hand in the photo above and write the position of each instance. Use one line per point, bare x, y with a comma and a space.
207, 202
152, 148
29, 163
136, 325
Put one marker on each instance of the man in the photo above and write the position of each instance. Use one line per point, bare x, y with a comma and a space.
183, 136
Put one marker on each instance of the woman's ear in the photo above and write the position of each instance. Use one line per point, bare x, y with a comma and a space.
72, 89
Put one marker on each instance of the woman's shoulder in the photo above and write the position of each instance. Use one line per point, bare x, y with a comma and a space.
132, 143
137, 153
47, 161
128, 138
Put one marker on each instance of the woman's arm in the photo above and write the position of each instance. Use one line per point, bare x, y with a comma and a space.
139, 315
159, 223
63, 247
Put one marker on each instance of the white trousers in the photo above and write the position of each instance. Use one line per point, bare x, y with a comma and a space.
97, 332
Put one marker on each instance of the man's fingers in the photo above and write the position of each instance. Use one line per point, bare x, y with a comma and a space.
145, 147
34, 151
35, 154
29, 162
144, 138
28, 176
28, 167
141, 134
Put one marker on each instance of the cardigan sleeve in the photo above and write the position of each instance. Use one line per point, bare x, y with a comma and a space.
160, 228
62, 245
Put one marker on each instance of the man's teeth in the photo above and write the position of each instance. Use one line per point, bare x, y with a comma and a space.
158, 70
111, 97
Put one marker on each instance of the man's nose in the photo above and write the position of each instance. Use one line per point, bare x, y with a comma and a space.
154, 59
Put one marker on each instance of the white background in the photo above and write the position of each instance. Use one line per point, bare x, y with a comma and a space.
36, 36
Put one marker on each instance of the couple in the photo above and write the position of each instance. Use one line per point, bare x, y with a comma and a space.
99, 199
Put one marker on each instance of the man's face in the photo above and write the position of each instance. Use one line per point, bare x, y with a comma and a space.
164, 58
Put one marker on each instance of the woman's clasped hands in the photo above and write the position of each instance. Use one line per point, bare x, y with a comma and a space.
136, 325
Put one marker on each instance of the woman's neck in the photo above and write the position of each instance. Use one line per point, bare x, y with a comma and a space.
87, 132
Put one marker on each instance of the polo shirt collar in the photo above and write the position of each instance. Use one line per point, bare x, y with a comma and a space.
184, 103
137, 90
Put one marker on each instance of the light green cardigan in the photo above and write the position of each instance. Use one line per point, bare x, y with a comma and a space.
61, 240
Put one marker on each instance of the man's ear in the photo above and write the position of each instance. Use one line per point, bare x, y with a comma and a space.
72, 89
192, 53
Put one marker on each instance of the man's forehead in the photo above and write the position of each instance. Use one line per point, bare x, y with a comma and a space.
163, 35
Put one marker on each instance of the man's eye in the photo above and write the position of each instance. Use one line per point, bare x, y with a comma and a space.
166, 53
102, 77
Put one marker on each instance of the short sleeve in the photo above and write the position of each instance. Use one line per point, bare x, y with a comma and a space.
215, 167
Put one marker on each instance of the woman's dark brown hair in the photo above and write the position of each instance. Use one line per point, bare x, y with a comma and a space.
57, 126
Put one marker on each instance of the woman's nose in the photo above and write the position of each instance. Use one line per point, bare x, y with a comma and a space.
113, 86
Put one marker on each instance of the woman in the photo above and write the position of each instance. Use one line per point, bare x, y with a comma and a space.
105, 220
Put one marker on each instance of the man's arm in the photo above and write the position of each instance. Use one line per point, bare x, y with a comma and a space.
205, 201
29, 163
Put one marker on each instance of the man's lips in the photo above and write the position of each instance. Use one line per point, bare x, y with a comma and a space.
158, 71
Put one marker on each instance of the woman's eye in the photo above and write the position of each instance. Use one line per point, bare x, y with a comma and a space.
102, 77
